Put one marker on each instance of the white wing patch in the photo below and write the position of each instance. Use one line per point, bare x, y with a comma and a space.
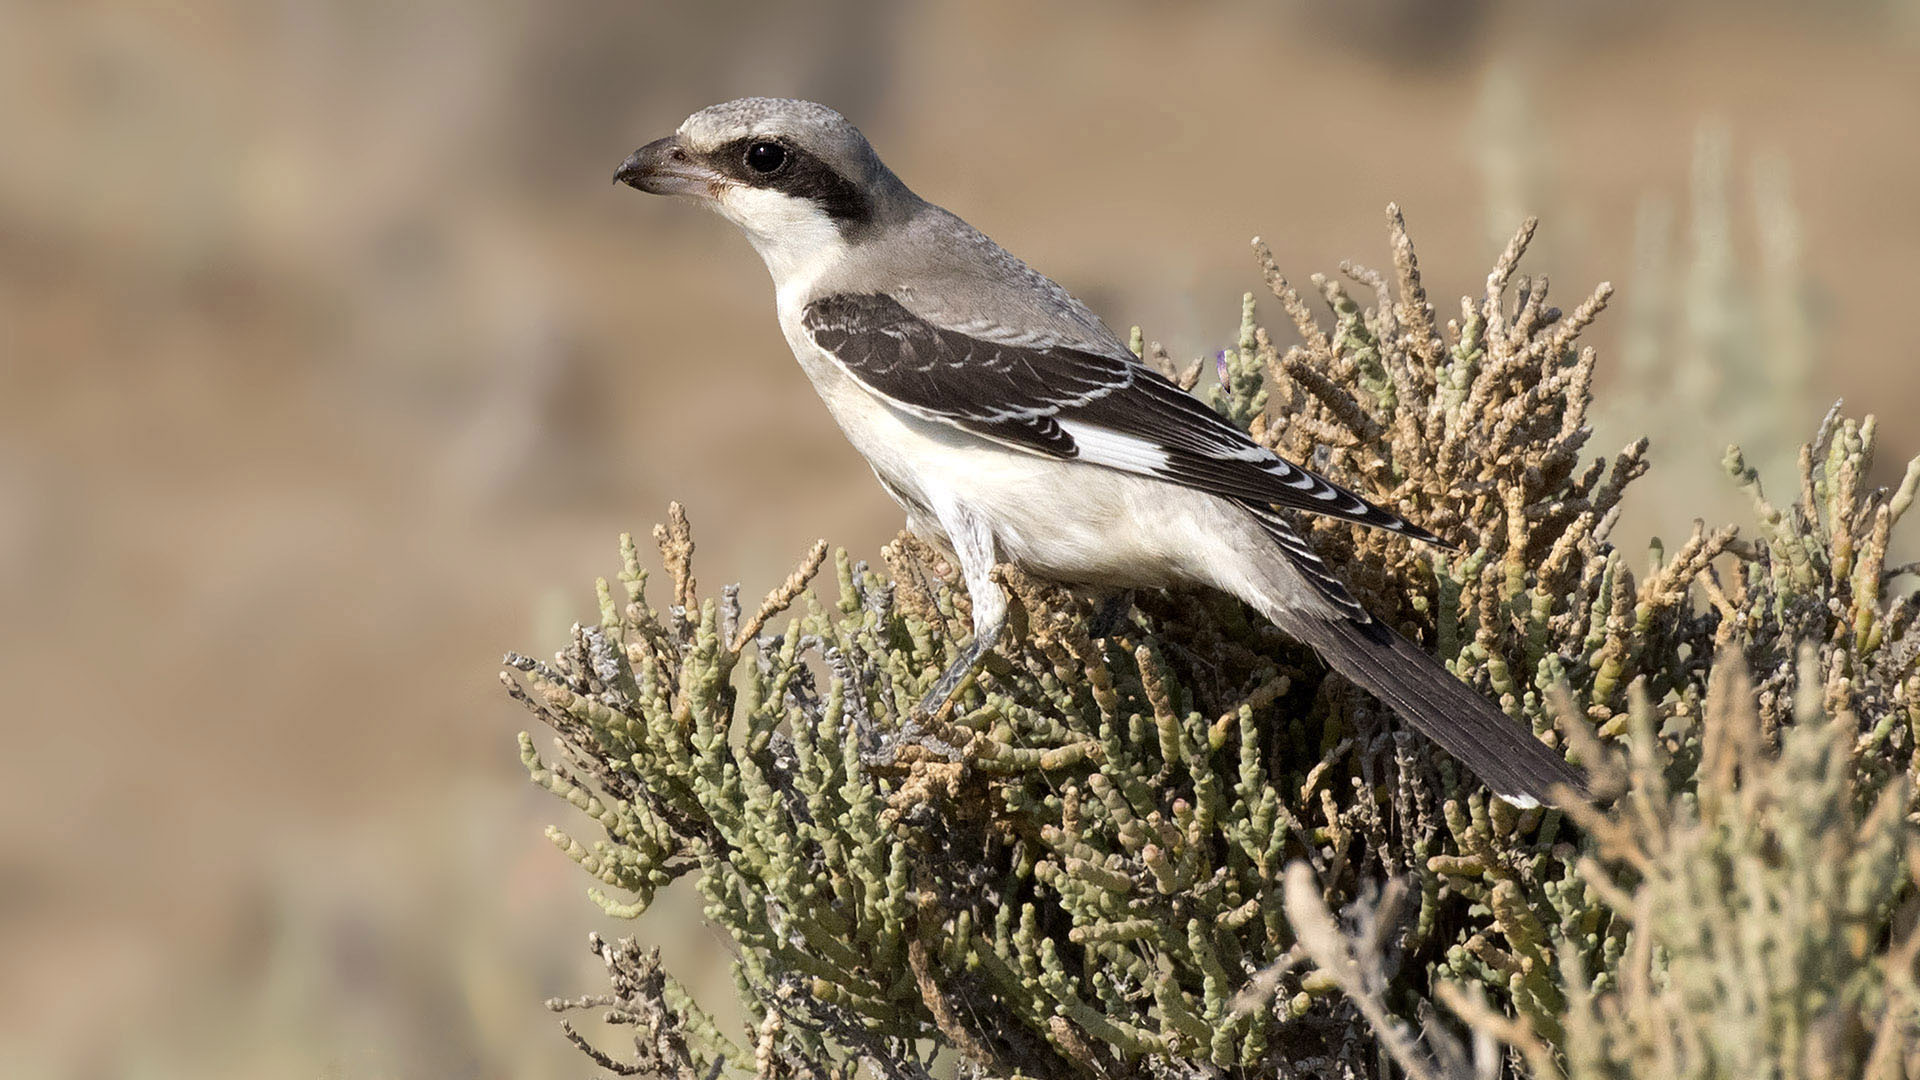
1128, 453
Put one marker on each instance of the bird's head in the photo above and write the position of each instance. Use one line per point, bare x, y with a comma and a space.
795, 176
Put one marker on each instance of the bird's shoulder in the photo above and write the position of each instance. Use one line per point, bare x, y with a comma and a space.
956, 280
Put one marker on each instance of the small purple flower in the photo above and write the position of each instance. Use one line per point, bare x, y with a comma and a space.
1220, 366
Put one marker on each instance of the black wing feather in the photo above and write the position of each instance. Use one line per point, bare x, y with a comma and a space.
1019, 394
1306, 560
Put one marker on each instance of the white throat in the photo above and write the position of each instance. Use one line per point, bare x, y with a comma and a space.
796, 239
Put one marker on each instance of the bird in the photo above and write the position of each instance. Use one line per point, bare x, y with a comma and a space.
1012, 425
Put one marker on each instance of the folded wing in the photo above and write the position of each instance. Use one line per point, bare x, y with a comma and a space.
1061, 401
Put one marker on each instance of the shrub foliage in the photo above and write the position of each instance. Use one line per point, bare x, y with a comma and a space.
1136, 865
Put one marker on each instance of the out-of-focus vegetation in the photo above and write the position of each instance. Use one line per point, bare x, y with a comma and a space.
332, 361
1129, 870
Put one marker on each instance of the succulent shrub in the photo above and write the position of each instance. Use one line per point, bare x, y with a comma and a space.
1133, 867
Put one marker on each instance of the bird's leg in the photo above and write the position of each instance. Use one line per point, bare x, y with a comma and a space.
939, 702
927, 726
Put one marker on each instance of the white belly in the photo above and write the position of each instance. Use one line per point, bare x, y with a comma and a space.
1066, 521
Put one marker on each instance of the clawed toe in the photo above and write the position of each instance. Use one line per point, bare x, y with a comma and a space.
927, 729
917, 735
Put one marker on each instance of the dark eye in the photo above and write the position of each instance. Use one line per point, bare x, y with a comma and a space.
766, 157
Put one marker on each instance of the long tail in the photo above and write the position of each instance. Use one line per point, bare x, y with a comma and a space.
1498, 749
1303, 597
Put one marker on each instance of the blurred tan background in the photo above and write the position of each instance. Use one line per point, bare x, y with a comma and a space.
334, 366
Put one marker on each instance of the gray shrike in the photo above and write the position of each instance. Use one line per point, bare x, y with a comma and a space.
1012, 425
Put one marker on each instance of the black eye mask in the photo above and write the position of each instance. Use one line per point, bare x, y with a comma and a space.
796, 173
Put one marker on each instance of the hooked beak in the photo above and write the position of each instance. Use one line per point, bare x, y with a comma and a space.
663, 167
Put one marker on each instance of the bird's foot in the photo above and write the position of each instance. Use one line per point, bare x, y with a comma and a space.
929, 732
917, 740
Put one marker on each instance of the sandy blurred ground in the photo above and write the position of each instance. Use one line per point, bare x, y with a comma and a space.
334, 366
